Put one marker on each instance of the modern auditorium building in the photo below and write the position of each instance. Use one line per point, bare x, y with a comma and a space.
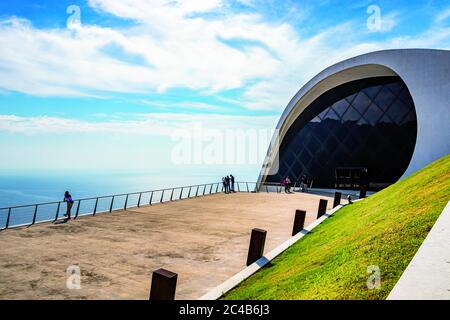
365, 122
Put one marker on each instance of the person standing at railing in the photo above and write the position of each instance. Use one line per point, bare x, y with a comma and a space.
225, 187
287, 185
307, 182
68, 199
227, 184
232, 183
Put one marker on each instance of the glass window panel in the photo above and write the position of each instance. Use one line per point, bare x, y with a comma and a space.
340, 107
405, 96
331, 144
290, 158
398, 111
313, 145
305, 157
395, 87
351, 115
372, 92
351, 98
410, 117
385, 119
323, 114
362, 122
384, 99
361, 103
331, 124
332, 115
321, 132
341, 132
373, 114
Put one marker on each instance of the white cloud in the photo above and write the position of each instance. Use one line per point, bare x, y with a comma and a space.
443, 15
180, 51
183, 49
155, 124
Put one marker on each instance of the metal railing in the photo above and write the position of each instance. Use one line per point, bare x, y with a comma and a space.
27, 215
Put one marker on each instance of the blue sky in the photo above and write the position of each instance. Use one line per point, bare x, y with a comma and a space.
117, 87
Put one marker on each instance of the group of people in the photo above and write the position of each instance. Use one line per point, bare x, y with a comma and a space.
228, 184
287, 184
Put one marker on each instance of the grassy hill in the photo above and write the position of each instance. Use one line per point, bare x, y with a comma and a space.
385, 230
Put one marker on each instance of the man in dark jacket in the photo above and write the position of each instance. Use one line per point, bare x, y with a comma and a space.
232, 183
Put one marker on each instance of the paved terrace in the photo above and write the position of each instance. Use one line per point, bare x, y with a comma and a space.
205, 240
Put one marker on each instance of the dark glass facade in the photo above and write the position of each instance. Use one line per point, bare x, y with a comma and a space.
364, 125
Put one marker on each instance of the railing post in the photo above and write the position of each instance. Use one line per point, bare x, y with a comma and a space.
112, 201
126, 202
196, 192
163, 287
247, 186
322, 208
256, 247
171, 195
95, 207
337, 199
7, 218
238, 186
299, 221
217, 188
189, 194
204, 189
139, 200
267, 189
34, 215
162, 196
151, 198
78, 209
210, 189
181, 193
57, 211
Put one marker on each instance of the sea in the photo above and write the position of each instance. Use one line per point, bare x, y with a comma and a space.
28, 187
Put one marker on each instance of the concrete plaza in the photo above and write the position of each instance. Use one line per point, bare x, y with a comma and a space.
205, 240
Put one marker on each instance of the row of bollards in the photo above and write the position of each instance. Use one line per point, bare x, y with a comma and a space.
164, 282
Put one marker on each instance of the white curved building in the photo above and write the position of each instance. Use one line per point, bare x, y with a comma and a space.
381, 115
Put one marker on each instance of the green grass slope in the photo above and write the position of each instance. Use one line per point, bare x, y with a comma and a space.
385, 230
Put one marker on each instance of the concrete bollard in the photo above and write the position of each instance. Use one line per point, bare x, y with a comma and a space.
256, 247
322, 208
299, 221
362, 193
164, 283
337, 199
